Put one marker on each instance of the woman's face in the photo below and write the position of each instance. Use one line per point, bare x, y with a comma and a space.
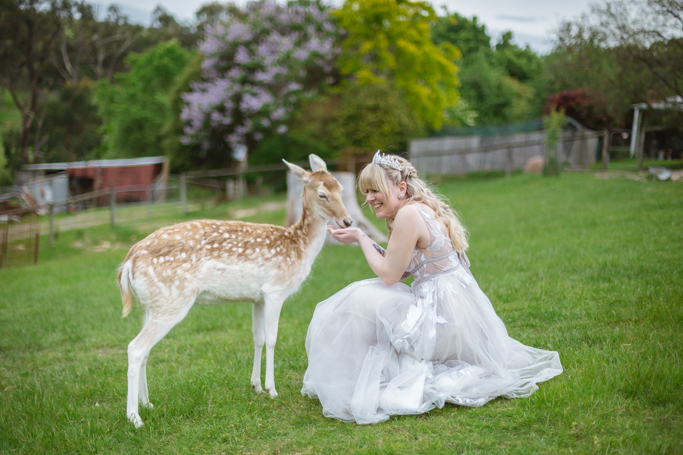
386, 206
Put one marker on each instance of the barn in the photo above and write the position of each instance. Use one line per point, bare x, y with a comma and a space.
82, 177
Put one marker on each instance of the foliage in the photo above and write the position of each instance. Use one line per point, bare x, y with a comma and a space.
183, 157
500, 84
553, 123
629, 51
389, 41
257, 65
548, 253
67, 129
28, 32
363, 116
588, 108
134, 110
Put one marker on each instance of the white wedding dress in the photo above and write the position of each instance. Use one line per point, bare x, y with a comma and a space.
376, 350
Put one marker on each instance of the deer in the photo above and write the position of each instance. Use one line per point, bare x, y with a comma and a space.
206, 262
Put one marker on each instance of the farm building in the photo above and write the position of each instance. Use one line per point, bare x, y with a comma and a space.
51, 182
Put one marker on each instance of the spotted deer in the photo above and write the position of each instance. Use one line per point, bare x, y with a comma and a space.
208, 261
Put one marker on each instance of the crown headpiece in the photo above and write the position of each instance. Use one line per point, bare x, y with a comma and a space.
386, 160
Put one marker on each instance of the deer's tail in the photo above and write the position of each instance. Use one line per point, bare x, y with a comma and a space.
123, 280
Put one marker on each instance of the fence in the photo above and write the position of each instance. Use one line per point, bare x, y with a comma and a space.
460, 155
19, 238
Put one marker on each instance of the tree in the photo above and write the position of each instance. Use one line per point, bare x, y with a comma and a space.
258, 65
29, 30
628, 51
499, 84
135, 109
390, 41
359, 116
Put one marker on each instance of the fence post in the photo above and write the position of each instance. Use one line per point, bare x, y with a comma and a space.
605, 150
508, 162
5, 241
183, 193
230, 189
112, 203
641, 146
51, 209
37, 246
149, 202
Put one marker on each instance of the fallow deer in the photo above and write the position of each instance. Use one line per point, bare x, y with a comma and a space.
209, 261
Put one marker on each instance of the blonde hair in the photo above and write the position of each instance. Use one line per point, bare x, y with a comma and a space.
377, 177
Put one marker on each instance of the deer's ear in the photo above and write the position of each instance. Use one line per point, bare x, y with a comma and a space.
298, 171
317, 164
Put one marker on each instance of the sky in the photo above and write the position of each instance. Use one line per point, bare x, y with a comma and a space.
531, 21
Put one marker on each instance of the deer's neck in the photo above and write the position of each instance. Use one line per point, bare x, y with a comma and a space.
310, 230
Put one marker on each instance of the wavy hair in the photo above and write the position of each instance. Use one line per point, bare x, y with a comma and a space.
377, 177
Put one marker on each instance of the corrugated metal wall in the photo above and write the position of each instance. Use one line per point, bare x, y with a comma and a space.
460, 155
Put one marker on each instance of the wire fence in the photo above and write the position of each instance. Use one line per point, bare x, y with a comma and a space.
19, 238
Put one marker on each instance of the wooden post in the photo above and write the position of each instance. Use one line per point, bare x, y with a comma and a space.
183, 193
112, 203
149, 202
240, 186
37, 246
5, 241
230, 189
52, 224
640, 147
605, 150
508, 162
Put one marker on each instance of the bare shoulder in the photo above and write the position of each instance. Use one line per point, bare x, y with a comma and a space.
408, 214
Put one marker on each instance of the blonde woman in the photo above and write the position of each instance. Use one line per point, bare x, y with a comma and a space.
379, 348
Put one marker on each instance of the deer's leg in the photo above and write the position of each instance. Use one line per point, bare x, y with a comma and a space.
143, 391
258, 328
138, 352
273, 306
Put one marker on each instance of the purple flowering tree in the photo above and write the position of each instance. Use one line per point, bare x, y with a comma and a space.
257, 65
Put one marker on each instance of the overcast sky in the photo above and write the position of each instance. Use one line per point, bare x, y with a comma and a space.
531, 21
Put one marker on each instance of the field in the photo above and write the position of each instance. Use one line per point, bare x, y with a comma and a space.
590, 267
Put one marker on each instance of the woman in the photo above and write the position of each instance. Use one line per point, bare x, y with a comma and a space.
379, 348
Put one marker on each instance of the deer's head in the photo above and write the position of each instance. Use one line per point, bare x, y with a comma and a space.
322, 192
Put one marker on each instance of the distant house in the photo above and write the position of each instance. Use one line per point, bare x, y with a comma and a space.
51, 182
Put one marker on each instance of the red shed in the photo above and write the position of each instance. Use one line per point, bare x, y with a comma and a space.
87, 176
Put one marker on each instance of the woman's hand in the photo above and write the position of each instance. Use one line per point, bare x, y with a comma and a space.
345, 235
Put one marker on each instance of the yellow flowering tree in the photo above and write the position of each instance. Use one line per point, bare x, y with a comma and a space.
388, 41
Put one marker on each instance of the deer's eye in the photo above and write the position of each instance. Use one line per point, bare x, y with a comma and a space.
322, 196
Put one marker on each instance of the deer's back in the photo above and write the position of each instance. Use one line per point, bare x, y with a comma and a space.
215, 261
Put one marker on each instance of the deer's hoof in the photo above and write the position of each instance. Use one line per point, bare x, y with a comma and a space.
136, 420
147, 405
272, 392
257, 388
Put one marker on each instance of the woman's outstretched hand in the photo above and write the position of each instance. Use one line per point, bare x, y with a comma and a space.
345, 235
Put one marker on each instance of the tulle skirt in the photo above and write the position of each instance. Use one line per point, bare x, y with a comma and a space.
376, 350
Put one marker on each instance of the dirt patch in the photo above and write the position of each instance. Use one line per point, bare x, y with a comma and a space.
637, 176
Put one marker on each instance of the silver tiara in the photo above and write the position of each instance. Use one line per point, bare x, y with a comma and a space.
387, 160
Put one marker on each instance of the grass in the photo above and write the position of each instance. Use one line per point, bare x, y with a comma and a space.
588, 267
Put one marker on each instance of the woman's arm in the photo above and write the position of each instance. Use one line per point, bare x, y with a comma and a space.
389, 264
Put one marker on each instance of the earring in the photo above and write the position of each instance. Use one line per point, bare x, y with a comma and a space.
400, 196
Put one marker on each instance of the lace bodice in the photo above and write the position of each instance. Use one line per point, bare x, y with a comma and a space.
439, 257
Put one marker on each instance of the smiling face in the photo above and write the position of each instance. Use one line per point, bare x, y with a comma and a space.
382, 194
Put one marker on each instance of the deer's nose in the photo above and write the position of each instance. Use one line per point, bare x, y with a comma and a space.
347, 222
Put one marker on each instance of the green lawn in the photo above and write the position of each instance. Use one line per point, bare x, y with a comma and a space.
589, 267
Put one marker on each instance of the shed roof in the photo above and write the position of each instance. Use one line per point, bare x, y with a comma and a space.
95, 163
